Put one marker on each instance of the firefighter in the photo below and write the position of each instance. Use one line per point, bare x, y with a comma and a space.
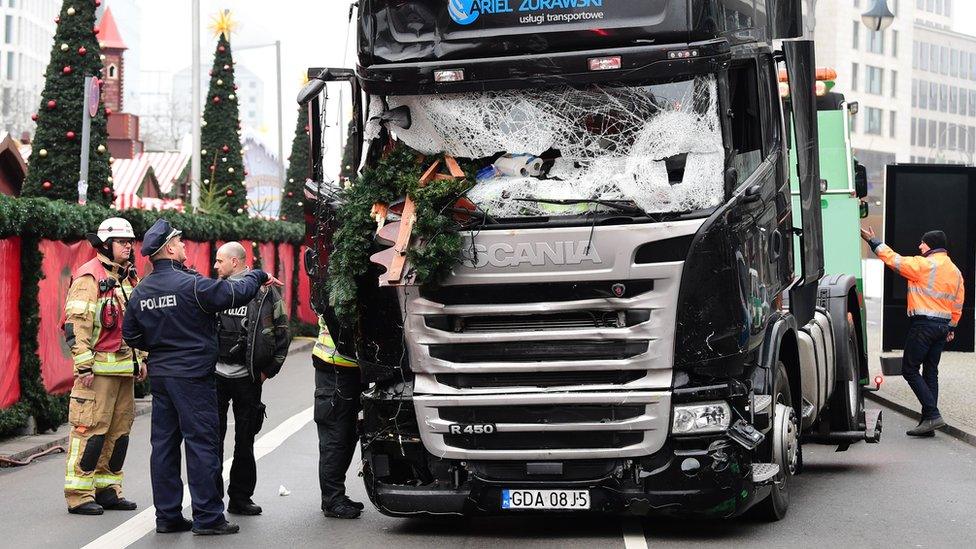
172, 315
935, 299
338, 387
102, 406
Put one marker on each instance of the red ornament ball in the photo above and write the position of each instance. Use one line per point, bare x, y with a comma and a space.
46, 185
70, 135
236, 87
96, 30
225, 148
52, 104
213, 167
290, 194
216, 99
230, 192
98, 3
57, 20
221, 49
66, 69
284, 218
34, 117
106, 190
82, 50
108, 111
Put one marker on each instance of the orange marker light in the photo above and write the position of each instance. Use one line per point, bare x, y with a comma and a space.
878, 380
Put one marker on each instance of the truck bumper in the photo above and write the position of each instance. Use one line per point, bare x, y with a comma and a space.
666, 483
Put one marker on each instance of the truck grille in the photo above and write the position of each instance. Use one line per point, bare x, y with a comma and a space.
569, 361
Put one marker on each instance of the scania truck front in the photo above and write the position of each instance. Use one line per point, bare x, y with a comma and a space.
626, 330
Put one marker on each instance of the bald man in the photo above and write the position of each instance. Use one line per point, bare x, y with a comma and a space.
253, 345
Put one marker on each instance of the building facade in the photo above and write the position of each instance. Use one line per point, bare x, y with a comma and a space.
26, 35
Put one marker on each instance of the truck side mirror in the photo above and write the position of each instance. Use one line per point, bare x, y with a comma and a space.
860, 180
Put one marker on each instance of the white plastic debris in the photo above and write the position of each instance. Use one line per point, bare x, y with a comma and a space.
282, 491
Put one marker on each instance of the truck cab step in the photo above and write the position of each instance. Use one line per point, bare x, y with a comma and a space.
764, 473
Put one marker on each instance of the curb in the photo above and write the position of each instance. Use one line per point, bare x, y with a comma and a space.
143, 407
951, 429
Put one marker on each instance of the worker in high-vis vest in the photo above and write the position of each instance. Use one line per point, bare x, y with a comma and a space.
338, 387
102, 404
935, 299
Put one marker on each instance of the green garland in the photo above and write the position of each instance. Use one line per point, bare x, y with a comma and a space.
396, 175
57, 220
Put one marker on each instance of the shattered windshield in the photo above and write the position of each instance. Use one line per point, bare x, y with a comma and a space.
658, 146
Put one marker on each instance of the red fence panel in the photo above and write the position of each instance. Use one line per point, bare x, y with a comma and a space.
248, 252
305, 312
267, 250
60, 259
286, 270
198, 256
9, 321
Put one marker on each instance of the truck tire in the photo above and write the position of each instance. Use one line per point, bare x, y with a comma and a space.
785, 452
847, 403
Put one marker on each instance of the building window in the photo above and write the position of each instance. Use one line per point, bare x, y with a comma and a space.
962, 138
894, 83
933, 58
914, 132
10, 65
876, 41
953, 100
856, 42
894, 43
963, 105
954, 63
944, 60
914, 93
921, 133
942, 134
953, 137
971, 139
933, 134
943, 98
875, 80
854, 68
923, 56
972, 102
891, 123
963, 65
915, 47
933, 96
873, 125
8, 29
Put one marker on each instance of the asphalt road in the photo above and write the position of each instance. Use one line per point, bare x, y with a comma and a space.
899, 493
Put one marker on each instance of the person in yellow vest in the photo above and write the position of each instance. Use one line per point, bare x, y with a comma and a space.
102, 406
935, 298
338, 387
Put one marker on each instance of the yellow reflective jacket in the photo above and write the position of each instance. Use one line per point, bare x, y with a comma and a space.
325, 349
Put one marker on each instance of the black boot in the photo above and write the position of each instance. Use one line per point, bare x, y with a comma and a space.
243, 508
110, 501
87, 508
344, 509
183, 526
354, 503
219, 530
927, 427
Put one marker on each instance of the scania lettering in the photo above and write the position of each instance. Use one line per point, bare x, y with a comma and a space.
640, 321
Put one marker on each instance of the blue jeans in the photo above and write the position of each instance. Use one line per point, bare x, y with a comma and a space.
923, 348
184, 410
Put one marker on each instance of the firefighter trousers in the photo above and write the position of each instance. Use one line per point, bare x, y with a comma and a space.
101, 419
338, 391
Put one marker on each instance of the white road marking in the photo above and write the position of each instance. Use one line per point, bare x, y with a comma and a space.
138, 526
633, 534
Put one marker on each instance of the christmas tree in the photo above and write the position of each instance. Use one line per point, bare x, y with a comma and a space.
294, 194
56, 156
221, 155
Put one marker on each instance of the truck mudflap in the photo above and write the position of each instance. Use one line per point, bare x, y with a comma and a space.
714, 480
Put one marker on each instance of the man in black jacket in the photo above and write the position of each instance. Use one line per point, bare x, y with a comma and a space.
253, 345
172, 316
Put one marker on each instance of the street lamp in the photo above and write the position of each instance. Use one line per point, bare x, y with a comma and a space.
878, 17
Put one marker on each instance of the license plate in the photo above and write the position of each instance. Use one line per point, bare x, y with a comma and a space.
545, 499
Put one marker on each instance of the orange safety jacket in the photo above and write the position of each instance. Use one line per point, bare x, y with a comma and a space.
935, 285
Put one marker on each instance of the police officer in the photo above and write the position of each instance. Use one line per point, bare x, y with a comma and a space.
102, 405
172, 316
338, 387
935, 299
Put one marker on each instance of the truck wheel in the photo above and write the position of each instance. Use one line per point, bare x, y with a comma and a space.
784, 449
847, 403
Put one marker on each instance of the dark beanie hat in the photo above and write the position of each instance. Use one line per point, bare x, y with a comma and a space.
935, 239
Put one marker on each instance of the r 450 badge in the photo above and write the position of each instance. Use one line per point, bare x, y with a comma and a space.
471, 428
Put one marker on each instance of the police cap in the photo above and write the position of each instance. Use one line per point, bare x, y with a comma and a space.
157, 236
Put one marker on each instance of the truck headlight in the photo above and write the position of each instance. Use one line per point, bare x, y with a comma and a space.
707, 417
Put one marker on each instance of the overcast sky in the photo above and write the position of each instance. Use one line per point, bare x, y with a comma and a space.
312, 33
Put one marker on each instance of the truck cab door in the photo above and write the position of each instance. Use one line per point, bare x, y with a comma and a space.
800, 68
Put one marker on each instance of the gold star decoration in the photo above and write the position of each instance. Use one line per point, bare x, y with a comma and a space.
223, 24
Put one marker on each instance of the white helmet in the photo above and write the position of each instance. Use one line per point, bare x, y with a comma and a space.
115, 227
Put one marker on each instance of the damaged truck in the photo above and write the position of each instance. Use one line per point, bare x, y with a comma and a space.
558, 238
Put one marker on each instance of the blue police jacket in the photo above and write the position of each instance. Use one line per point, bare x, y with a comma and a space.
172, 315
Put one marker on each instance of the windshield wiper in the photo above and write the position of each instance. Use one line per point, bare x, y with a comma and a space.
623, 206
